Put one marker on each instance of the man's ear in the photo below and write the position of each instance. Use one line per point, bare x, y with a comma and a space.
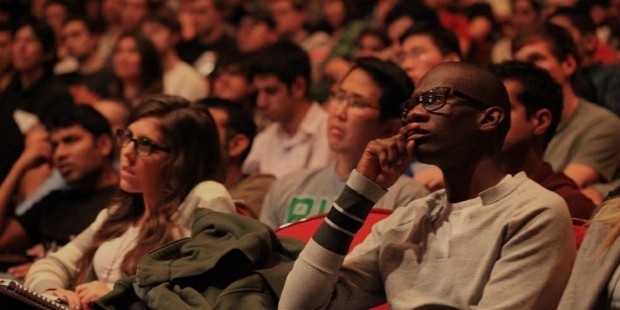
237, 145
491, 118
105, 144
569, 65
541, 120
299, 87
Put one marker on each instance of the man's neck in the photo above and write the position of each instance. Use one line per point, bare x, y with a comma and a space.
212, 36
91, 64
345, 163
105, 177
169, 60
570, 103
467, 182
530, 161
28, 78
292, 125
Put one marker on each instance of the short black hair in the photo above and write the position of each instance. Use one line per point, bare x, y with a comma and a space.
240, 119
559, 40
92, 27
580, 20
418, 11
376, 32
44, 34
84, 116
444, 39
396, 87
538, 90
284, 59
166, 18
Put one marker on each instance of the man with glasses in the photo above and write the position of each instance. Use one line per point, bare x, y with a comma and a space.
363, 106
489, 240
81, 149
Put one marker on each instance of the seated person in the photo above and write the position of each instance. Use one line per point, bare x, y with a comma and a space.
237, 130
536, 108
168, 149
593, 282
363, 106
468, 246
586, 145
81, 149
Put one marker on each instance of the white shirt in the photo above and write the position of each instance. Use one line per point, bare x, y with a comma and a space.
275, 152
109, 256
183, 80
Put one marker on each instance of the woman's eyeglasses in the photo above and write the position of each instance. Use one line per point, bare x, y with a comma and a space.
435, 99
143, 146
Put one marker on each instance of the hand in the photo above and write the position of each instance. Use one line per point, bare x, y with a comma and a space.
37, 148
69, 297
91, 291
83, 95
385, 160
19, 271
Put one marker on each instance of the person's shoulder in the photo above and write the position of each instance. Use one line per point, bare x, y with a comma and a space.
597, 114
530, 196
295, 179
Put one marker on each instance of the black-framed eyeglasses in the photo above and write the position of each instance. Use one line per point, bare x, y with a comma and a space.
353, 101
434, 99
143, 146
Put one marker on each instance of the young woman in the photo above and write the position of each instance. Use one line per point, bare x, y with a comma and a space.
136, 68
169, 148
594, 280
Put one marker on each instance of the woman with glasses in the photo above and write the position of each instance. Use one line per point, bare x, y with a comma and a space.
168, 153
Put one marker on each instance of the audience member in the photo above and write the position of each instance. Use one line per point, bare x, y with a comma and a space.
34, 89
168, 148
363, 106
585, 145
372, 42
81, 149
133, 13
112, 28
256, 30
592, 283
536, 108
488, 240
232, 80
237, 130
402, 17
180, 79
211, 39
6, 65
136, 67
296, 138
598, 76
90, 81
424, 46
524, 13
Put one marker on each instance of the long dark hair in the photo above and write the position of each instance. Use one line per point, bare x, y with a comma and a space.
190, 132
151, 75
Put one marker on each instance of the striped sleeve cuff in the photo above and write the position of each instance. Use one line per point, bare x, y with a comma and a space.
348, 213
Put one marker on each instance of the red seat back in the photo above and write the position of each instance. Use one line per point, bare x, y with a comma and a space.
579, 230
304, 229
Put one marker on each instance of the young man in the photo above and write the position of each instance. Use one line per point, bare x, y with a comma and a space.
257, 29
490, 240
598, 77
296, 138
82, 148
536, 107
364, 106
90, 81
237, 130
180, 79
206, 17
586, 146
424, 46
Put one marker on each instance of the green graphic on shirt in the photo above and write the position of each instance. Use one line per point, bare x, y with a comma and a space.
302, 207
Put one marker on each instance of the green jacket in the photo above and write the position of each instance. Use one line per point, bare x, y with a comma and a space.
229, 262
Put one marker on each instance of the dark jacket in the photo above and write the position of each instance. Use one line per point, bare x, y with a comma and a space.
229, 262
